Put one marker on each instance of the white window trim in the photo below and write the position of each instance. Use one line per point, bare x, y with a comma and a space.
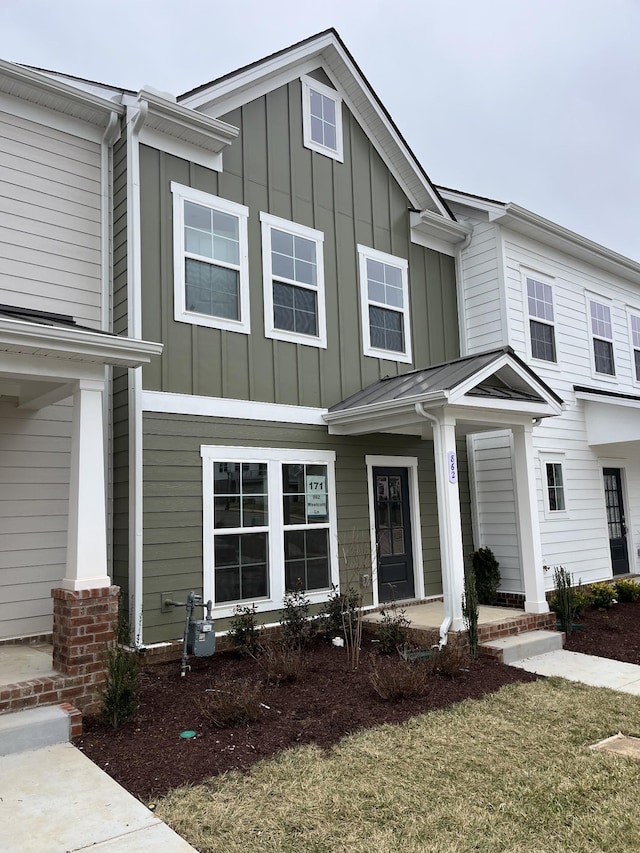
180, 195
632, 312
365, 253
601, 300
550, 458
411, 464
309, 83
543, 278
268, 222
273, 457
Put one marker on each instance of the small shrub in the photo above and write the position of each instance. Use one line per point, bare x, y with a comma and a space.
602, 595
244, 632
295, 622
567, 601
487, 574
280, 662
450, 661
392, 632
627, 590
340, 610
231, 703
394, 679
120, 694
470, 612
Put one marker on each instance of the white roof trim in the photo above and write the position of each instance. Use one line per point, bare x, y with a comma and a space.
327, 52
18, 336
168, 117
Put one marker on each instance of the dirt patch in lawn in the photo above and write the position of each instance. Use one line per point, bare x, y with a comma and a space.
612, 633
148, 757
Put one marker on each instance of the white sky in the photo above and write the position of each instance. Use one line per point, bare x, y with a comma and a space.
531, 101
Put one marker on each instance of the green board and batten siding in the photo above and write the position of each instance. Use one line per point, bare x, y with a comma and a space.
173, 498
357, 201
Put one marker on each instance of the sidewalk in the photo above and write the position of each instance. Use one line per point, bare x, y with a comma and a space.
587, 669
55, 800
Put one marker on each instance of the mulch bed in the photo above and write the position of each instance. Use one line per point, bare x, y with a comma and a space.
148, 757
612, 633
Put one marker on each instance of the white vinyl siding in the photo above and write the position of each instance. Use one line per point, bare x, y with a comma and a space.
34, 472
50, 219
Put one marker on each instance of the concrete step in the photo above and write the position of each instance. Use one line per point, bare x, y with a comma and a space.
520, 646
34, 728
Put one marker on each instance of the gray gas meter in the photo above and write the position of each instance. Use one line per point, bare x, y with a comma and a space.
201, 638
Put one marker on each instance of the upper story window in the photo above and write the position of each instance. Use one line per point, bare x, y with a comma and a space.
211, 270
293, 276
602, 334
321, 118
384, 304
541, 320
635, 343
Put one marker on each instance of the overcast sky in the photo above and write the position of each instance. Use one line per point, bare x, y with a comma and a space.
531, 101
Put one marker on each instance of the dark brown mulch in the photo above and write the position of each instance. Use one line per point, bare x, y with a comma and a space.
148, 756
612, 633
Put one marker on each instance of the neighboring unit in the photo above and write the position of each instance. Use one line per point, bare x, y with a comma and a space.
571, 310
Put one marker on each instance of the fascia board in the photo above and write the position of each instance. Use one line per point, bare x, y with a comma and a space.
326, 51
48, 92
434, 227
603, 400
494, 208
34, 339
531, 408
388, 406
165, 116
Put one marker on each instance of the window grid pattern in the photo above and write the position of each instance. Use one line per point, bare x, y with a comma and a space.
295, 280
324, 126
635, 341
384, 292
306, 527
542, 332
555, 487
602, 331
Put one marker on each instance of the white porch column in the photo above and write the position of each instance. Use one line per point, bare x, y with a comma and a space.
87, 529
527, 520
449, 521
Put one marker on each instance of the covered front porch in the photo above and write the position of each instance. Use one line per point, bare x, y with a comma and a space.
487, 392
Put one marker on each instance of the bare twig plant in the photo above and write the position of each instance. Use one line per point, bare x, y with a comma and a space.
356, 569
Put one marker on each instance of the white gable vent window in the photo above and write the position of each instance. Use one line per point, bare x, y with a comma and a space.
321, 118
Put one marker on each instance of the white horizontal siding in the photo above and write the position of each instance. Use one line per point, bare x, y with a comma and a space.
34, 492
50, 215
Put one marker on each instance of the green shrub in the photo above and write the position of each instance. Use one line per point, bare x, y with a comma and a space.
120, 694
567, 601
232, 703
393, 630
487, 574
602, 595
297, 626
244, 632
627, 590
470, 612
340, 612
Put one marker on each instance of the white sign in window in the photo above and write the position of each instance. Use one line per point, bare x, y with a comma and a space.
316, 489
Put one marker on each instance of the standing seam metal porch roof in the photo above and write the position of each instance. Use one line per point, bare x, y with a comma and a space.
442, 378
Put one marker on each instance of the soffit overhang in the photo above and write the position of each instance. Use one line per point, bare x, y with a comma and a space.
53, 94
326, 51
483, 392
611, 418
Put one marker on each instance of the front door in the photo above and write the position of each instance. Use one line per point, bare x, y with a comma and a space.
393, 534
616, 521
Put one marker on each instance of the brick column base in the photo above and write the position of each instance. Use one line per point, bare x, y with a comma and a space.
83, 624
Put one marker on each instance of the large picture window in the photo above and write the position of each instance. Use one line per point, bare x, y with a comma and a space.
384, 303
211, 279
269, 525
293, 282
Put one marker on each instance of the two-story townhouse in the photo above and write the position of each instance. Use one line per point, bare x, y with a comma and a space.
55, 353
570, 308
306, 421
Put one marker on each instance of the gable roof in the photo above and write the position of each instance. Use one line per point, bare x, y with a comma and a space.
327, 51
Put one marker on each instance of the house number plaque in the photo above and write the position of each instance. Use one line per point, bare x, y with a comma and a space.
452, 466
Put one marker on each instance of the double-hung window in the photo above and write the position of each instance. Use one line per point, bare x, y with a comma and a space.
293, 276
269, 525
541, 320
384, 303
602, 336
634, 321
555, 487
321, 118
211, 271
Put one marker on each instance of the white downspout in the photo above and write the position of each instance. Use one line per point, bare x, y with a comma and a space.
437, 449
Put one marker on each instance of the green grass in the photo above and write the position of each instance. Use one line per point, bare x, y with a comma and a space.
512, 772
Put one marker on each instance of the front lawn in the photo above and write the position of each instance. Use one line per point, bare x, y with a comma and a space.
511, 772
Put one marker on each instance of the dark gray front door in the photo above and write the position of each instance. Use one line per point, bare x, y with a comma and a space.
393, 534
616, 520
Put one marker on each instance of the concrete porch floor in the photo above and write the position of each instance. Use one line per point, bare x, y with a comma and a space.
431, 613
20, 663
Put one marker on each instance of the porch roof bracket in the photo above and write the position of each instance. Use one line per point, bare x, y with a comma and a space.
449, 525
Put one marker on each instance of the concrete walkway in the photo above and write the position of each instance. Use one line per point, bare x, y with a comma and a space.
55, 800
587, 669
